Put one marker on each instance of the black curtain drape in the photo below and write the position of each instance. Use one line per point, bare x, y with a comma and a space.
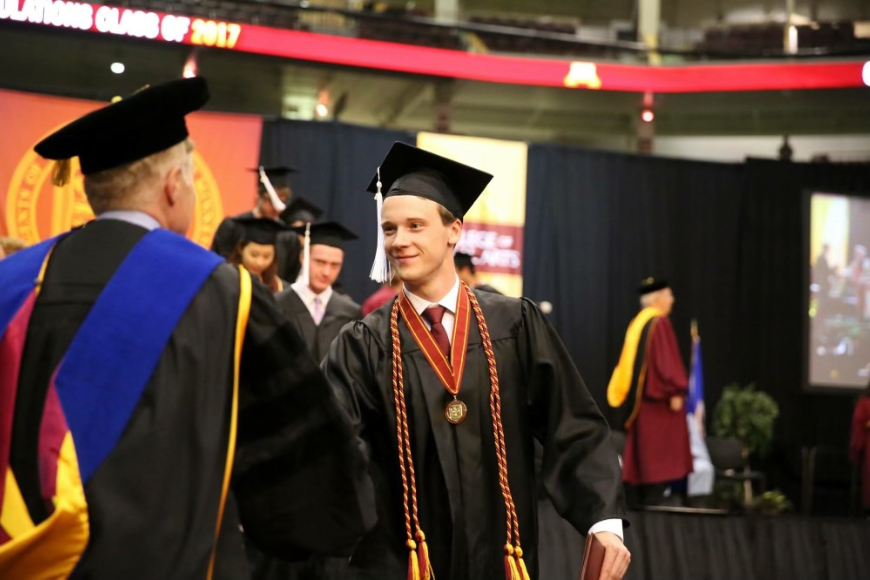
598, 223
335, 162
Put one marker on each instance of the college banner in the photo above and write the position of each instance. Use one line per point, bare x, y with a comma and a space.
33, 209
493, 230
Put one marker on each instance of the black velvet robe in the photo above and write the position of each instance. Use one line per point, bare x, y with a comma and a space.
299, 482
460, 503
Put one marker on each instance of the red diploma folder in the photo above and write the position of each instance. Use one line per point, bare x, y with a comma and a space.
593, 558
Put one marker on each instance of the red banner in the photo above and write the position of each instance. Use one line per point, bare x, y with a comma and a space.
32, 209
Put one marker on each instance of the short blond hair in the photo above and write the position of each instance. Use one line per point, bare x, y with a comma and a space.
12, 245
123, 187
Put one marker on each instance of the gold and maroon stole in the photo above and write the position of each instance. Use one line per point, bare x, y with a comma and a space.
419, 566
450, 375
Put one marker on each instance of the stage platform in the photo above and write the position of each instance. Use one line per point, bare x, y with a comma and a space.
681, 544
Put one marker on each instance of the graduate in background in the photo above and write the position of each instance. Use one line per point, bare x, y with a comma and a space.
298, 212
256, 250
448, 387
468, 274
273, 199
649, 387
139, 371
318, 312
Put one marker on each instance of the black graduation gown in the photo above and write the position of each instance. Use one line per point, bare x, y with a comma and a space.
299, 482
461, 508
287, 248
339, 311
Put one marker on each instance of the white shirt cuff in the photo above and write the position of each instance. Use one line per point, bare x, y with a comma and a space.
614, 526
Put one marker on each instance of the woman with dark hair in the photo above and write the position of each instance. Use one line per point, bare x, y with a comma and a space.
256, 250
859, 446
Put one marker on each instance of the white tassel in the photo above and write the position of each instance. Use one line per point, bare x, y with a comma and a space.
381, 266
273, 197
304, 276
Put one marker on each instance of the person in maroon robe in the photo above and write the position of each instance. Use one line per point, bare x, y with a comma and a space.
859, 446
657, 450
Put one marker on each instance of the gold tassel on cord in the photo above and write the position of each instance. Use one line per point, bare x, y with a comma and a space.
510, 565
524, 572
413, 561
61, 172
426, 572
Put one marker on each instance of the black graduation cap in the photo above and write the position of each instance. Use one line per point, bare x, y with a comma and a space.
260, 230
145, 123
327, 233
300, 209
408, 170
279, 176
650, 285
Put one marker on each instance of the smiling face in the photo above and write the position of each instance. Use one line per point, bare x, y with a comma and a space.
325, 267
418, 242
257, 257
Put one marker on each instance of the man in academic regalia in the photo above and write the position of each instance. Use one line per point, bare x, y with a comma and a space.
649, 387
448, 387
318, 312
138, 372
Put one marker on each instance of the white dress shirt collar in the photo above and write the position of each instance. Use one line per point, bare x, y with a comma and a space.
307, 295
130, 216
448, 301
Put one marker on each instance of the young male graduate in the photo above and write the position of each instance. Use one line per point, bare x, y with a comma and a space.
448, 387
649, 387
138, 371
318, 312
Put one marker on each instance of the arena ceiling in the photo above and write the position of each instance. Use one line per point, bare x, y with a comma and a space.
77, 64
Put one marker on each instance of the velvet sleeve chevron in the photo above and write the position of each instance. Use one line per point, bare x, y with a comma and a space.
300, 481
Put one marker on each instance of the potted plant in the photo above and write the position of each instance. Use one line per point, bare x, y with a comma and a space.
747, 415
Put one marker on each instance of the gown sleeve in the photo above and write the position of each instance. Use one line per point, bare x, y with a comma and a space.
666, 375
300, 478
580, 470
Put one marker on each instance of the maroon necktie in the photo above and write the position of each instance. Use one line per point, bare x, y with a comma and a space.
433, 315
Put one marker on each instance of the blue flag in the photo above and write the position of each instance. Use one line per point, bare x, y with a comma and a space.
695, 399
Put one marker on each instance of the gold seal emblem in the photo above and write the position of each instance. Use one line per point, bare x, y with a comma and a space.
455, 411
36, 209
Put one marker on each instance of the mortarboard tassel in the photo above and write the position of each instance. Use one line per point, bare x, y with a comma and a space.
381, 266
304, 277
273, 197
61, 172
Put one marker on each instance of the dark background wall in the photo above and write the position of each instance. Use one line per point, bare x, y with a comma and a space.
727, 236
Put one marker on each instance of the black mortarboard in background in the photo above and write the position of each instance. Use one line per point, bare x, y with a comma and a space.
408, 170
650, 285
300, 209
260, 230
279, 176
327, 233
140, 125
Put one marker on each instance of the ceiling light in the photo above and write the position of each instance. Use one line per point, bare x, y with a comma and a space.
321, 110
118, 67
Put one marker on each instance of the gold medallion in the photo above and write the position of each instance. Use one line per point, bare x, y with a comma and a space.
456, 411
